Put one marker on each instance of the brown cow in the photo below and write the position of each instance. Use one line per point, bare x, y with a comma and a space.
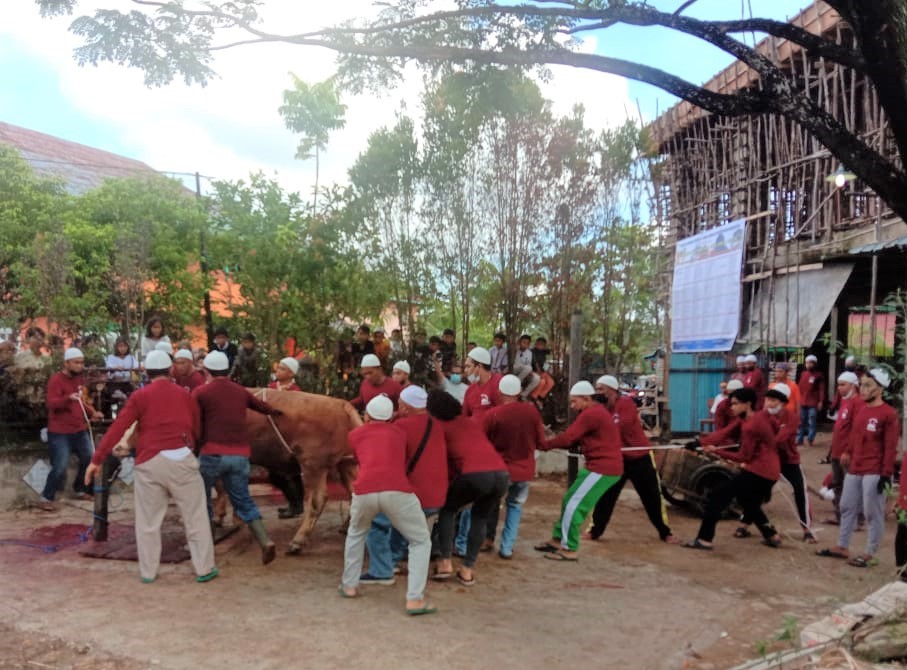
315, 429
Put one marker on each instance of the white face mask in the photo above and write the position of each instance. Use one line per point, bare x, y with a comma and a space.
473, 378
773, 410
849, 395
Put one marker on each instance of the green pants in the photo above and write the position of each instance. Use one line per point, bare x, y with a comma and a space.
577, 503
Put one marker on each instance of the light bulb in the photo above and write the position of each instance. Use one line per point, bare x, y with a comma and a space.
840, 180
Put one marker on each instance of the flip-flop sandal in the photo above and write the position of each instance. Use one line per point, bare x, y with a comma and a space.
546, 548
442, 576
696, 544
344, 594
831, 522
774, 544
743, 531
422, 610
863, 562
560, 556
809, 538
464, 581
828, 553
672, 539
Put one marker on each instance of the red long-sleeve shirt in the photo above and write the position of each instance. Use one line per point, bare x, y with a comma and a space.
758, 451
840, 436
873, 441
222, 405
599, 437
380, 449
482, 397
367, 391
429, 477
729, 434
785, 424
64, 415
812, 388
626, 418
468, 450
516, 431
191, 381
167, 418
723, 414
754, 379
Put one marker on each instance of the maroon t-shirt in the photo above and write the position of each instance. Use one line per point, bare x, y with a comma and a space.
429, 477
191, 381
812, 388
222, 406
597, 433
785, 424
516, 431
380, 449
840, 436
64, 415
482, 397
626, 418
874, 441
468, 450
367, 391
758, 451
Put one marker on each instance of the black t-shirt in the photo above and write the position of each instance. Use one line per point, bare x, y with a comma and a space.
360, 350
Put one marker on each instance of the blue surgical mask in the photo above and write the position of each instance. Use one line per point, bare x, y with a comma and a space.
455, 379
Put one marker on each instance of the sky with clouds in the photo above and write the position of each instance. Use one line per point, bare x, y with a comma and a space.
232, 127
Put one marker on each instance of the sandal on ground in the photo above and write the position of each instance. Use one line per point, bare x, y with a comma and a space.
672, 539
589, 536
546, 547
201, 579
863, 561
828, 553
465, 582
771, 542
742, 531
698, 544
441, 576
561, 556
344, 594
422, 610
809, 538
831, 522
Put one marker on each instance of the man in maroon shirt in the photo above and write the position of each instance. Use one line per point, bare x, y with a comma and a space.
483, 393
382, 486
184, 373
375, 383
723, 414
639, 466
401, 372
225, 449
760, 469
285, 375
849, 403
812, 397
754, 379
167, 426
869, 459
516, 431
67, 429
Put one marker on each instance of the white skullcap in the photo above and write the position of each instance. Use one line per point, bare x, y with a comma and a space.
414, 396
882, 378
370, 361
849, 377
403, 366
582, 388
850, 359
741, 359
290, 363
216, 361
480, 355
608, 380
380, 408
73, 353
510, 385
158, 360
812, 358
783, 389
166, 347
750, 358
734, 384
184, 353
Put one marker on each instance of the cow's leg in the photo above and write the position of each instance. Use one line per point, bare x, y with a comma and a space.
220, 504
316, 496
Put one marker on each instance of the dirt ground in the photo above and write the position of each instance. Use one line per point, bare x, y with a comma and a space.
630, 601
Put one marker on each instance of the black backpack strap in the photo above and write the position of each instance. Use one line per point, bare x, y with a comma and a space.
416, 456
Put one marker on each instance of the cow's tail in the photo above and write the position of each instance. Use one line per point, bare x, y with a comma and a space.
352, 415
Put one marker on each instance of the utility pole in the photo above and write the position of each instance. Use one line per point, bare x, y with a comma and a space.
576, 364
203, 262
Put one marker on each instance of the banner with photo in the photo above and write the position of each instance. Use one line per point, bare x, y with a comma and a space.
705, 295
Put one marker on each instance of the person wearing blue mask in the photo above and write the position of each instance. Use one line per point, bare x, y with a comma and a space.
454, 384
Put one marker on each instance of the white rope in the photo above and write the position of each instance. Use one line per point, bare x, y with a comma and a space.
660, 447
87, 421
264, 398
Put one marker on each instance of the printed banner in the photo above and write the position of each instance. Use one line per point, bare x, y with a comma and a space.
705, 297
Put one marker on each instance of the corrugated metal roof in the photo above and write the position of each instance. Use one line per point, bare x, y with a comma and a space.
80, 167
874, 247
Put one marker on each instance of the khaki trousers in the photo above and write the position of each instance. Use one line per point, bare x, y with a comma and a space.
156, 481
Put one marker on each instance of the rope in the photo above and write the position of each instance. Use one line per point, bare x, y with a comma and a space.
264, 398
661, 447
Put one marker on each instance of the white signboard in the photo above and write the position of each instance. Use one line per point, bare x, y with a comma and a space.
705, 298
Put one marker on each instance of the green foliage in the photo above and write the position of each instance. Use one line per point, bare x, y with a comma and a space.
312, 111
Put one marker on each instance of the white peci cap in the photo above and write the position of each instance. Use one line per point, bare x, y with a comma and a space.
882, 378
741, 359
370, 361
608, 380
849, 378
510, 385
290, 364
783, 389
184, 354
582, 388
812, 359
73, 353
166, 347
216, 361
414, 396
850, 359
480, 355
158, 360
750, 358
734, 384
403, 366
380, 408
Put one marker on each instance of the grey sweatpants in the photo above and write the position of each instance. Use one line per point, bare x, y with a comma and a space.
405, 513
861, 495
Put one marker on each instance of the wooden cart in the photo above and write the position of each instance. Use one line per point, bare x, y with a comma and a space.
687, 477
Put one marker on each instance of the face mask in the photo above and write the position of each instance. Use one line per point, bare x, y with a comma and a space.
473, 378
773, 410
455, 379
848, 396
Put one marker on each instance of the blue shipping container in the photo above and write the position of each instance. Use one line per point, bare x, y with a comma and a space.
693, 379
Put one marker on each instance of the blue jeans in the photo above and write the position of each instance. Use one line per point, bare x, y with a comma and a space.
808, 417
517, 494
60, 446
386, 545
234, 471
